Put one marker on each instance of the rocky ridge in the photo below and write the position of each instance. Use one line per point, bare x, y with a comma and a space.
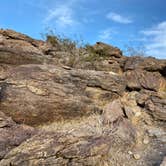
88, 106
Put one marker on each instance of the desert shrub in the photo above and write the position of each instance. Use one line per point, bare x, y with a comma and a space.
135, 50
61, 42
78, 51
53, 40
96, 54
67, 44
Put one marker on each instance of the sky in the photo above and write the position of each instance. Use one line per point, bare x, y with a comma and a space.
138, 24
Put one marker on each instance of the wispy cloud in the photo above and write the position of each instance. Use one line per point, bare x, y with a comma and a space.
106, 34
119, 18
62, 15
156, 40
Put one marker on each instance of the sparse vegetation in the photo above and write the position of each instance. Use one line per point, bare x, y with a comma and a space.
135, 51
107, 110
77, 49
61, 42
95, 54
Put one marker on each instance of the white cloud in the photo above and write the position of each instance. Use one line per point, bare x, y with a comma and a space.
106, 34
119, 18
62, 16
156, 40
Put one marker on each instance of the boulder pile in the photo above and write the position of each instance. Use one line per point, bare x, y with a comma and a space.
89, 106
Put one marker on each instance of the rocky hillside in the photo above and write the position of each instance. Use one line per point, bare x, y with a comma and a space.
67, 106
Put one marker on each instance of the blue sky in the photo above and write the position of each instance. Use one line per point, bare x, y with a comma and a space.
122, 23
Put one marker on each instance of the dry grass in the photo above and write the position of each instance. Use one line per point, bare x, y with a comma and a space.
82, 126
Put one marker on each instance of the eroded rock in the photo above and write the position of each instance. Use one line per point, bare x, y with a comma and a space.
145, 63
12, 134
85, 111
164, 162
36, 94
137, 79
52, 148
112, 112
157, 107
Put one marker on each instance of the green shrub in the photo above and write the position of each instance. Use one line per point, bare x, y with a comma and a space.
53, 40
135, 50
60, 42
96, 54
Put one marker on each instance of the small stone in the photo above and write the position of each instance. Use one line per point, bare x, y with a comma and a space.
146, 140
137, 156
129, 152
36, 90
67, 67
137, 114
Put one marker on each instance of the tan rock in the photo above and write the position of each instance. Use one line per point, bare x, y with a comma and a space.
136, 156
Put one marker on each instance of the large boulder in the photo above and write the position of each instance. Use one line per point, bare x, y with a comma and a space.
145, 63
34, 94
138, 79
154, 103
156, 107
112, 112
16, 48
108, 50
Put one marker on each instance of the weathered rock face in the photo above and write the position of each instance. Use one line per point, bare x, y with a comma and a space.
12, 134
138, 79
17, 49
108, 110
50, 148
148, 64
154, 104
112, 112
35, 93
109, 50
164, 162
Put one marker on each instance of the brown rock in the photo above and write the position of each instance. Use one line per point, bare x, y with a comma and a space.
10, 34
23, 48
52, 148
164, 162
145, 63
137, 79
12, 134
65, 101
153, 102
157, 107
107, 49
112, 112
35, 94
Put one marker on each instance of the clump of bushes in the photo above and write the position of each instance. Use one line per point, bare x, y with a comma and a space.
96, 54
60, 42
53, 40
135, 50
77, 52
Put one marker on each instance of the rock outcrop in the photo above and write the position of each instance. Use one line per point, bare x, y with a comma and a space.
12, 134
79, 107
34, 94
